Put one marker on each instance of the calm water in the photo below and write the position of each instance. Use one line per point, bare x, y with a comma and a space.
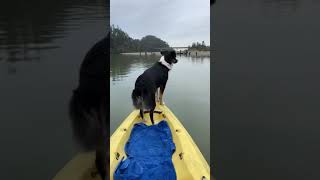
187, 93
42, 44
266, 89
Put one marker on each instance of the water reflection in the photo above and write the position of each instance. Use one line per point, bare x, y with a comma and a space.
198, 60
42, 44
266, 95
11, 69
27, 27
278, 8
122, 65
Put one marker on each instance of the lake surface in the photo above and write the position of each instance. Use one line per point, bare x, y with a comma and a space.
187, 93
42, 44
266, 89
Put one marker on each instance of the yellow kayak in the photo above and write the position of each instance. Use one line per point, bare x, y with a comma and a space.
188, 161
81, 167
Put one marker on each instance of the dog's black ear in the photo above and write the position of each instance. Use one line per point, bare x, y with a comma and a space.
173, 53
164, 52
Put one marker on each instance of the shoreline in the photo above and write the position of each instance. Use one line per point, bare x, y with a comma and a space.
192, 53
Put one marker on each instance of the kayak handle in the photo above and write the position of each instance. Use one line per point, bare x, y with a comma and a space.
117, 156
181, 155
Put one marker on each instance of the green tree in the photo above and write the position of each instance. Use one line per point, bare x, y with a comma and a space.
152, 43
199, 46
122, 42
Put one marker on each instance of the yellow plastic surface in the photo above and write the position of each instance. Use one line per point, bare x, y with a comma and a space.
81, 167
188, 161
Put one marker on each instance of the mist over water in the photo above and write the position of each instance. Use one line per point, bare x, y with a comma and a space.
42, 44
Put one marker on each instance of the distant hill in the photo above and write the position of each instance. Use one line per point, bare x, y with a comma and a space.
121, 42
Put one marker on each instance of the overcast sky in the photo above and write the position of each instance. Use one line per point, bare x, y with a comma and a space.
178, 22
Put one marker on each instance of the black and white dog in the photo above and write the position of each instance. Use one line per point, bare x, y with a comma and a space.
147, 84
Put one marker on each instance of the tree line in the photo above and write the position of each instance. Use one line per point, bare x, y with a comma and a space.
121, 42
199, 46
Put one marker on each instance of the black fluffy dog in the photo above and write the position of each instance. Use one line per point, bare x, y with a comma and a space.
88, 105
147, 84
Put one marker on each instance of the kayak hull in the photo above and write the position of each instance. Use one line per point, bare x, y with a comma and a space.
188, 161
81, 167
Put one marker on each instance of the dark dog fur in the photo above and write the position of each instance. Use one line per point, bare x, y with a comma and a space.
88, 105
147, 84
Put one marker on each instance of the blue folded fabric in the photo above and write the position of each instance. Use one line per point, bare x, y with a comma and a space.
149, 154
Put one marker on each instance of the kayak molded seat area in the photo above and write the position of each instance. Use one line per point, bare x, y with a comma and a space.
149, 154
187, 159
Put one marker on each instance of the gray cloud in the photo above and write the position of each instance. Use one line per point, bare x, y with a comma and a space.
179, 22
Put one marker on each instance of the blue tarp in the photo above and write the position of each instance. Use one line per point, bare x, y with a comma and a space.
149, 154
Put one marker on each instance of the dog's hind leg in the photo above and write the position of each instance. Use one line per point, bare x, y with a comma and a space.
151, 115
161, 94
152, 107
141, 114
157, 95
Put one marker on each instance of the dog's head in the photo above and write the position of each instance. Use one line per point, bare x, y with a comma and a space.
169, 56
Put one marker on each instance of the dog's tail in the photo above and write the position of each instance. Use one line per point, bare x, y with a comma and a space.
137, 98
85, 123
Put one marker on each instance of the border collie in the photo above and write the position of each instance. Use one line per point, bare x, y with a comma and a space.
147, 84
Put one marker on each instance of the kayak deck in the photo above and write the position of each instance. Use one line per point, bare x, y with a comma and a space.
81, 167
188, 161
